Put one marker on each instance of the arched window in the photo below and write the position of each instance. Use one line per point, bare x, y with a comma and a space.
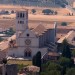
26, 54
23, 15
20, 15
29, 54
17, 14
18, 22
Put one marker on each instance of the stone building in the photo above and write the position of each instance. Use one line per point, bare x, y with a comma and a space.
8, 69
11, 69
30, 40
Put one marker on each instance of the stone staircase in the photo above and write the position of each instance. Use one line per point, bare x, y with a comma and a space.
51, 48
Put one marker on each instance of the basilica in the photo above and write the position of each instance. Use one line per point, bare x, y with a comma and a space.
29, 40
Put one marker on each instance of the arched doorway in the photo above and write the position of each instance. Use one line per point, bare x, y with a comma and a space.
27, 52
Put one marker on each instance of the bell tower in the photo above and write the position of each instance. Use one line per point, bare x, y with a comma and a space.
21, 23
21, 20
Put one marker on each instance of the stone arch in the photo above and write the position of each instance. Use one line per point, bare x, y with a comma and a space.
27, 52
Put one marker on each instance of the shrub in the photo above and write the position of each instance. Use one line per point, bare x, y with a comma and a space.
47, 11
64, 24
33, 11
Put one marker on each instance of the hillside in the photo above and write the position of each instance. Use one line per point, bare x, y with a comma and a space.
41, 3
70, 2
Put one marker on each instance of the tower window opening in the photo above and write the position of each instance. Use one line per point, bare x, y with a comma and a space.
18, 21
20, 15
23, 15
17, 14
21, 22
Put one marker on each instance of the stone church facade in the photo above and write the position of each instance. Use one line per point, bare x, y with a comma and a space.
31, 40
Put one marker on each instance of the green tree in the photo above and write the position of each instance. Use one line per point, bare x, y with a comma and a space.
33, 11
37, 59
47, 11
43, 73
54, 66
66, 62
52, 72
66, 52
70, 71
34, 60
73, 53
10, 31
50, 66
1, 39
20, 66
64, 24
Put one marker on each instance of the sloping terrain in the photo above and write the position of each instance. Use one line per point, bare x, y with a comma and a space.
70, 2
41, 3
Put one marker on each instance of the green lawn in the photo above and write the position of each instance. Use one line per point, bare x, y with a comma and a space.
24, 62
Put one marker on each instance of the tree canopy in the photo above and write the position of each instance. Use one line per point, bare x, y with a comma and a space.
73, 53
47, 11
64, 24
53, 66
66, 62
52, 72
10, 31
33, 11
70, 71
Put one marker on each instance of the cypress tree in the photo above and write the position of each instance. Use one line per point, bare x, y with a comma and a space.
66, 49
34, 60
37, 60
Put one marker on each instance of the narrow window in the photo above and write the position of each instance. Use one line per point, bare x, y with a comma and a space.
20, 15
26, 54
23, 15
21, 22
17, 14
29, 54
18, 22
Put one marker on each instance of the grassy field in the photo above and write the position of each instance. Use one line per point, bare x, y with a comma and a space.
24, 62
